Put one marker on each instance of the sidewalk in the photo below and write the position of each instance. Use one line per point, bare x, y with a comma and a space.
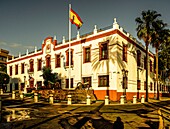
57, 116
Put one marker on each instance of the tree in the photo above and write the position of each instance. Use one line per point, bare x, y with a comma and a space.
4, 77
159, 37
164, 60
144, 32
49, 77
3, 68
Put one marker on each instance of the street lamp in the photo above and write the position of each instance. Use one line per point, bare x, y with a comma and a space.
125, 74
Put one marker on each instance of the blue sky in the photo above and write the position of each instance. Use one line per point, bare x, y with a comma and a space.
24, 24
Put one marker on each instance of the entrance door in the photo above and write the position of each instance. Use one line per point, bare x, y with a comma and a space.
16, 86
10, 90
31, 81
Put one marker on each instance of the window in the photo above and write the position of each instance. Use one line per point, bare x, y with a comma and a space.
103, 81
22, 68
124, 52
103, 50
48, 61
10, 70
150, 66
87, 54
31, 66
151, 86
160, 87
166, 88
138, 85
87, 79
67, 57
57, 61
16, 69
39, 64
145, 62
67, 83
154, 86
163, 88
144, 85
154, 64
138, 58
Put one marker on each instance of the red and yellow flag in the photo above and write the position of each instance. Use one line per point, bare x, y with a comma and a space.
75, 19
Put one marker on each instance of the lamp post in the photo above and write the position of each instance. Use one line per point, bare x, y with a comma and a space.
125, 74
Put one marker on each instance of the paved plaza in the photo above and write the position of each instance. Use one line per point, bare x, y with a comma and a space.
43, 115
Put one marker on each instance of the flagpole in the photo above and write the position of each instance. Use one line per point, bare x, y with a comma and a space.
69, 71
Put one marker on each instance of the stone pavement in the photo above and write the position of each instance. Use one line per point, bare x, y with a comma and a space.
42, 115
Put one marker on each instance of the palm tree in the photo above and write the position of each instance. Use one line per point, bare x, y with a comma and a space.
164, 59
159, 37
144, 32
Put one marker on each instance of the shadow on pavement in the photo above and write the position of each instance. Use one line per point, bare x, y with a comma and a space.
161, 104
90, 122
153, 124
11, 102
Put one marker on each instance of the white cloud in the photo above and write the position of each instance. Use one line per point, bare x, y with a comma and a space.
3, 43
15, 45
15, 48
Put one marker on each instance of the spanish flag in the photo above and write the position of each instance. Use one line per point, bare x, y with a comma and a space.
75, 19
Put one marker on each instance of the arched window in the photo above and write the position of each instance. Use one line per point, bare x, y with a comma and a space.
48, 60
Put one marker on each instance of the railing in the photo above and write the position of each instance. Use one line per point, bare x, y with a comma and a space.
85, 35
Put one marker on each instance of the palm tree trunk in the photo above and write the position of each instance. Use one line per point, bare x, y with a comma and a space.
146, 72
157, 74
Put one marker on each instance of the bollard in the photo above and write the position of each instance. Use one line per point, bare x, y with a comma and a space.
69, 100
106, 100
122, 100
143, 99
51, 99
13, 114
21, 95
13, 94
134, 99
8, 118
1, 91
88, 100
35, 97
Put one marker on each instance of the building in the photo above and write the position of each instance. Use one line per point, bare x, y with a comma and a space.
110, 59
4, 54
